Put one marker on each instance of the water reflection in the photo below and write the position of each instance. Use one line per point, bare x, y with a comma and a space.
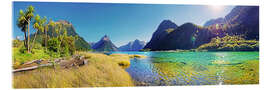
193, 68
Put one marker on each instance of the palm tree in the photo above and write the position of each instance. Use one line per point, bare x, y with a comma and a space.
46, 27
58, 29
29, 15
39, 26
24, 22
51, 24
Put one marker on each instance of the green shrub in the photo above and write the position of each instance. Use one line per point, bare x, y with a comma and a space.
145, 50
20, 55
53, 45
17, 43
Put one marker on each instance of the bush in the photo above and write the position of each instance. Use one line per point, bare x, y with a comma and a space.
53, 45
17, 43
145, 50
68, 46
20, 55
63, 46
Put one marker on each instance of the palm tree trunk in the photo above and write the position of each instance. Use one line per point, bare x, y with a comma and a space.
25, 45
28, 41
33, 43
46, 38
52, 32
61, 39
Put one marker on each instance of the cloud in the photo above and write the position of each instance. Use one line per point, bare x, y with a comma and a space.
19, 37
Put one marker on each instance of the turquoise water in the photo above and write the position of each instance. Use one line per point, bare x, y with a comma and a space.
191, 68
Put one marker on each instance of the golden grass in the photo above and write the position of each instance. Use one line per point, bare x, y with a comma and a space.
102, 71
137, 56
123, 59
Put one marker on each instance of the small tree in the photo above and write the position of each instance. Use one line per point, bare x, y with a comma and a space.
29, 15
22, 23
46, 27
39, 26
24, 20
52, 25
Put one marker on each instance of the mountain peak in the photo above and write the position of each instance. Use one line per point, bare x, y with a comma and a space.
64, 21
164, 25
105, 38
136, 40
135, 45
167, 22
104, 44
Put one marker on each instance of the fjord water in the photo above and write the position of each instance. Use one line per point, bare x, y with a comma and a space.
192, 68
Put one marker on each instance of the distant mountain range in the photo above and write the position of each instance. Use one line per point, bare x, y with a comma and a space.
104, 44
135, 45
242, 20
91, 44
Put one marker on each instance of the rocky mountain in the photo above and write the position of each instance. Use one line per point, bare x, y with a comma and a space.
80, 43
186, 36
104, 44
242, 20
214, 21
162, 31
135, 45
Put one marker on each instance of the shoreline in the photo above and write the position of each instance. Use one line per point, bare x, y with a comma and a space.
109, 69
100, 66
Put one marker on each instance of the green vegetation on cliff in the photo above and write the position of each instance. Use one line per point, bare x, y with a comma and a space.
80, 43
230, 43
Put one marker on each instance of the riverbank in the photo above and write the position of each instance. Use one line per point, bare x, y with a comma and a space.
100, 71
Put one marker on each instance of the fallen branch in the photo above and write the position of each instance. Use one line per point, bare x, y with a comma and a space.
76, 61
32, 68
34, 61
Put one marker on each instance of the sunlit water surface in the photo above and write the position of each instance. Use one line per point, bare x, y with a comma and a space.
187, 68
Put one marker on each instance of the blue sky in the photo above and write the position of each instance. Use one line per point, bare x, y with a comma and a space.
121, 22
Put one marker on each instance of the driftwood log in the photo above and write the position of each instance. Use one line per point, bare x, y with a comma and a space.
32, 68
75, 61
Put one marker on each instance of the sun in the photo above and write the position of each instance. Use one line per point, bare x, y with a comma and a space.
216, 8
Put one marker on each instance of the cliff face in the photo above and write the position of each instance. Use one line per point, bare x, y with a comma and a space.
242, 20
135, 45
186, 36
104, 44
246, 22
162, 31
